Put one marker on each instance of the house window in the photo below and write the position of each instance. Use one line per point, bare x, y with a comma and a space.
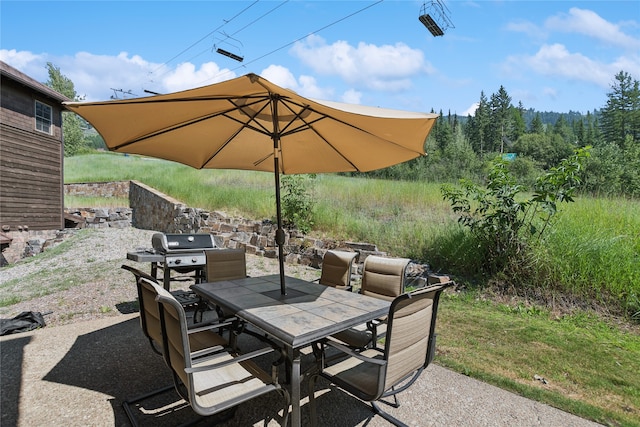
44, 117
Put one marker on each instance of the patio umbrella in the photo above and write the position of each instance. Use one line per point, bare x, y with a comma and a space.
250, 123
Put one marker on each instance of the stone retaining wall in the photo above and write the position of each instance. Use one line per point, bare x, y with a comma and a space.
26, 243
119, 189
152, 210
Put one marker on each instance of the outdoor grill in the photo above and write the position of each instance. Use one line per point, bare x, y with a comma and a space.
182, 253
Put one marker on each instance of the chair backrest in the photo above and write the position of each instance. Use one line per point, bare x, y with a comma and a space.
410, 340
336, 268
226, 264
176, 338
383, 277
149, 313
214, 379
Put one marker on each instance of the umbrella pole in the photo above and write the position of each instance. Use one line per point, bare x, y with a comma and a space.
276, 171
279, 232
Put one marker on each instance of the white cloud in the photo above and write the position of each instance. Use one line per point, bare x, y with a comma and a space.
556, 61
309, 88
589, 23
101, 77
526, 27
187, 76
471, 111
352, 96
305, 85
31, 64
550, 92
559, 62
385, 68
280, 76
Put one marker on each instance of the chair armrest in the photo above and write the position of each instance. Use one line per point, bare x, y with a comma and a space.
352, 353
211, 325
207, 351
377, 321
236, 359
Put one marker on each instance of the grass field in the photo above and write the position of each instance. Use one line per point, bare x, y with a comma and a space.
589, 361
591, 254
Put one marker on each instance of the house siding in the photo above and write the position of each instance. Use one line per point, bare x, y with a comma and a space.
31, 162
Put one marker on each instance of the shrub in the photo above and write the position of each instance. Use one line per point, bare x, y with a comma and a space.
501, 221
297, 201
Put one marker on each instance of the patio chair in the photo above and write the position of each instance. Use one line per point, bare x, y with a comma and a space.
225, 264
150, 320
213, 381
230, 264
336, 269
149, 316
382, 278
375, 374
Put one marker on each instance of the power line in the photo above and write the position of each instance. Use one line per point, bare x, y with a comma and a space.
262, 16
296, 40
253, 22
217, 29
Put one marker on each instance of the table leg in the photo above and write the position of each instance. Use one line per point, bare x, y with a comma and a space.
167, 277
154, 270
294, 358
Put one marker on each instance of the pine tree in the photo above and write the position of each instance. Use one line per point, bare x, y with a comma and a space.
621, 115
500, 123
518, 127
536, 125
561, 127
443, 132
477, 126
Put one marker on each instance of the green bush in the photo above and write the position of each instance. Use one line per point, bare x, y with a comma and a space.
501, 221
297, 201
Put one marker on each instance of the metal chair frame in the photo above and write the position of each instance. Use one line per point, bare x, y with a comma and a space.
408, 305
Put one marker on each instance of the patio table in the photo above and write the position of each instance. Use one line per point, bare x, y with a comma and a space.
308, 312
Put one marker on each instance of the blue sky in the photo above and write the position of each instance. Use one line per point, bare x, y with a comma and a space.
549, 55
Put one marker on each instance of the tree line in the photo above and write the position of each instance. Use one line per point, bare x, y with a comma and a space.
464, 147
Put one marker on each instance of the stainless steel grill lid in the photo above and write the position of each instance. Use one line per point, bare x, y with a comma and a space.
177, 242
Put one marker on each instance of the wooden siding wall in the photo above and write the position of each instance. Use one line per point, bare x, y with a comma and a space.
31, 163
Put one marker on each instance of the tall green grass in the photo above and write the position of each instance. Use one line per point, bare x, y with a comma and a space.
594, 249
592, 252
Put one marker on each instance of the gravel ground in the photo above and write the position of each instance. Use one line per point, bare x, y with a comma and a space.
81, 279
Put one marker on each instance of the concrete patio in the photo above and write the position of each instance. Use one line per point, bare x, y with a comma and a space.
79, 374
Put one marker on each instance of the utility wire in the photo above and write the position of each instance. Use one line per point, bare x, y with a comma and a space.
225, 23
295, 41
216, 30
259, 18
266, 54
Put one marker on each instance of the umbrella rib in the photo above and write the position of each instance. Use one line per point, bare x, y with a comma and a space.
251, 117
197, 120
357, 128
247, 124
309, 125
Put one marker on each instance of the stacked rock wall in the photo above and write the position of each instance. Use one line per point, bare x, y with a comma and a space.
150, 209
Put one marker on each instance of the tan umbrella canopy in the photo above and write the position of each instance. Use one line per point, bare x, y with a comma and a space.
252, 124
